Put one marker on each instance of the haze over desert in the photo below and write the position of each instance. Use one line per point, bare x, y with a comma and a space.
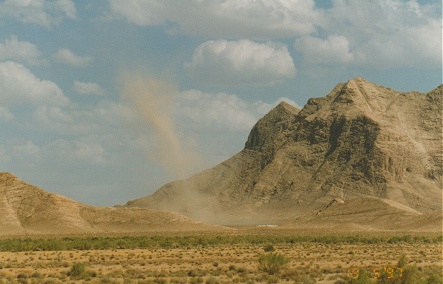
221, 141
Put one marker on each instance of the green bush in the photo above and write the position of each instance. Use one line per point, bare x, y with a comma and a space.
410, 275
363, 278
269, 248
435, 279
22, 276
141, 242
271, 263
78, 271
402, 261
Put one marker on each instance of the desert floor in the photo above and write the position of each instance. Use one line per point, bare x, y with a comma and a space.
216, 258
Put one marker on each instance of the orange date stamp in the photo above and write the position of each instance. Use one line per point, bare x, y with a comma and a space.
389, 272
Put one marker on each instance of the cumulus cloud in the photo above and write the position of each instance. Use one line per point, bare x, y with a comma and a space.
240, 62
227, 19
14, 49
113, 113
40, 12
83, 150
88, 88
334, 49
81, 121
143, 13
378, 33
264, 107
26, 150
221, 111
50, 116
5, 114
66, 56
19, 85
89, 151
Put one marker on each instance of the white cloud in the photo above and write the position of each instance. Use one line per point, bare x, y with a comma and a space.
5, 114
105, 117
240, 62
27, 150
92, 134
228, 19
47, 115
84, 150
263, 107
88, 88
19, 85
91, 152
66, 56
40, 12
113, 113
19, 51
67, 6
334, 49
220, 111
143, 13
379, 33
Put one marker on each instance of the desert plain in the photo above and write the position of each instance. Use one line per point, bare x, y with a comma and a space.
312, 256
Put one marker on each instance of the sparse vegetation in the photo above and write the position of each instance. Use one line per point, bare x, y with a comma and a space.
272, 263
145, 242
269, 248
79, 271
402, 274
221, 259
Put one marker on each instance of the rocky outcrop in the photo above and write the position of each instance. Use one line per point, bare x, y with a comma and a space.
361, 141
26, 209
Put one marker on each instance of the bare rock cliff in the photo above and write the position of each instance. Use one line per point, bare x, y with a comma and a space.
360, 142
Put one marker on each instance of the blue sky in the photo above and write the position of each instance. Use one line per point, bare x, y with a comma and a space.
105, 101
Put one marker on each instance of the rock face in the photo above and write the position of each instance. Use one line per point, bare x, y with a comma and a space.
27, 209
361, 144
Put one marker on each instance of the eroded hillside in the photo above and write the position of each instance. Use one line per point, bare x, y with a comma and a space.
361, 145
28, 209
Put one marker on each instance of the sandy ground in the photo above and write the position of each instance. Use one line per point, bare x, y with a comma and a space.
223, 263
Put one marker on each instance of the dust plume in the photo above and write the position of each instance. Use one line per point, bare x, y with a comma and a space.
153, 101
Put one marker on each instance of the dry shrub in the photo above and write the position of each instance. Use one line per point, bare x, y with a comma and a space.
272, 263
79, 271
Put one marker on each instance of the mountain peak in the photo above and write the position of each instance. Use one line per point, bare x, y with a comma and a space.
359, 80
361, 144
272, 124
287, 107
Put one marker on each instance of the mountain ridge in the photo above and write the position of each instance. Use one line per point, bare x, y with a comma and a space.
26, 209
364, 157
360, 141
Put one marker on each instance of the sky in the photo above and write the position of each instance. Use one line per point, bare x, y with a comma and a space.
105, 101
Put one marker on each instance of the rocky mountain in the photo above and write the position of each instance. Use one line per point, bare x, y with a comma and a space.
364, 155
26, 209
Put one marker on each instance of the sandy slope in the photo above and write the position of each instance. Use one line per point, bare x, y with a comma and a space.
27, 209
364, 144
